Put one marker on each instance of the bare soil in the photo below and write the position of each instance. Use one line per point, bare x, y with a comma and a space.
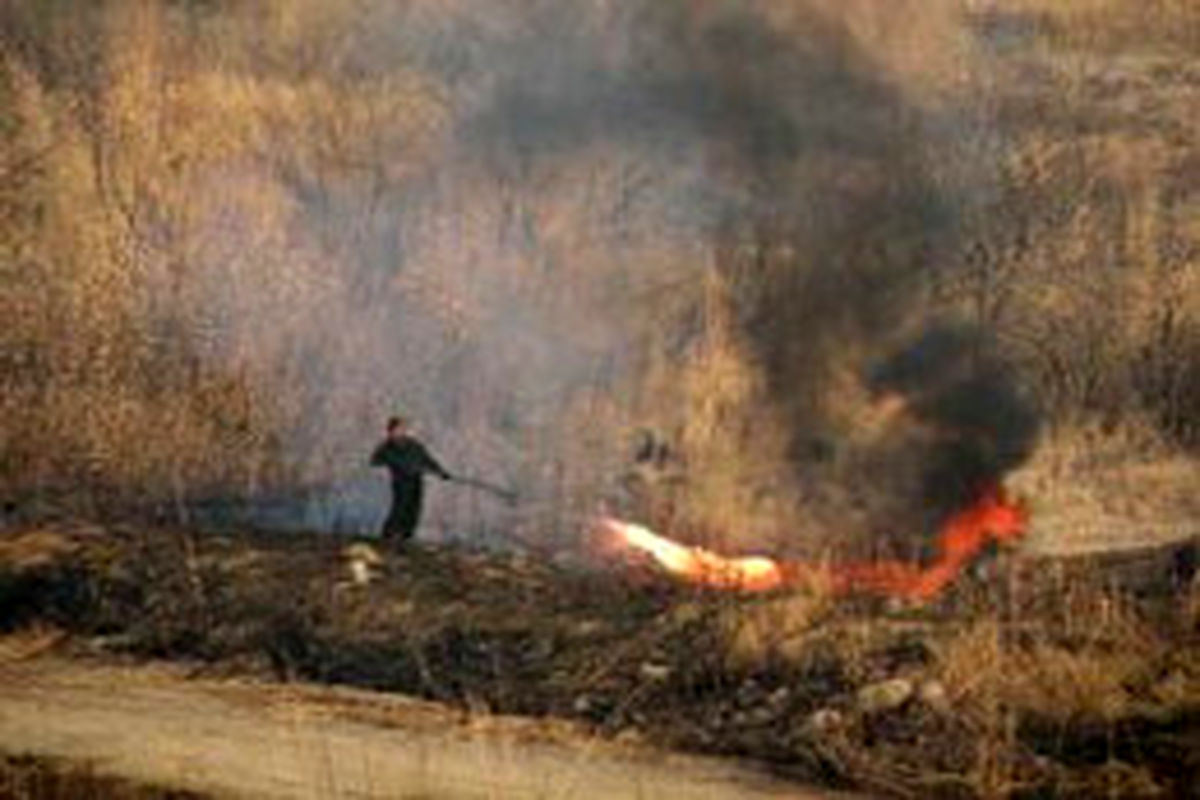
159, 725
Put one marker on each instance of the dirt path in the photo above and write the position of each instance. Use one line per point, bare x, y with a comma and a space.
241, 738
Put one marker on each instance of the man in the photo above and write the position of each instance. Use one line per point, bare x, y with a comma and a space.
407, 460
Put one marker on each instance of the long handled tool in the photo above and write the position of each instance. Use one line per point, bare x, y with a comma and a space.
507, 495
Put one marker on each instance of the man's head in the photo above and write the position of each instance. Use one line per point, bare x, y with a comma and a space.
397, 427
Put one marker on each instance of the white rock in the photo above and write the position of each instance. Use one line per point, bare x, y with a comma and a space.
824, 720
361, 573
655, 672
933, 694
361, 551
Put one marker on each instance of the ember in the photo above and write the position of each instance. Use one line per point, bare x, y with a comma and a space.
993, 517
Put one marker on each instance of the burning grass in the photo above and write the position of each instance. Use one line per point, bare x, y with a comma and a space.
1009, 686
991, 520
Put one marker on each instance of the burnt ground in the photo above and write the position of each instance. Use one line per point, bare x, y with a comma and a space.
959, 699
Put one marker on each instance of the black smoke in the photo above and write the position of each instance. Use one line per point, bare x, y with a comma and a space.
980, 424
456, 210
786, 149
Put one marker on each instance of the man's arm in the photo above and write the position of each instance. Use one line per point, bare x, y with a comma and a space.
431, 464
377, 459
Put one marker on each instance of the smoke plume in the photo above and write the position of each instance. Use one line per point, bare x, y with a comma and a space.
515, 221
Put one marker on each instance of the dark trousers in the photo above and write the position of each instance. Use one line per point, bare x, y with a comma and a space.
402, 519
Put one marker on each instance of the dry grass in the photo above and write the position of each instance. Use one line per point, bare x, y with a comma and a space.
774, 631
28, 778
204, 275
1086, 702
223, 260
28, 642
1079, 483
1109, 25
1066, 684
1018, 684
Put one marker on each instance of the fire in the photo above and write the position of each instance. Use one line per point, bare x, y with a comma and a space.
695, 564
992, 517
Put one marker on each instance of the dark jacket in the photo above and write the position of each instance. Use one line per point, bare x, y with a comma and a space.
406, 459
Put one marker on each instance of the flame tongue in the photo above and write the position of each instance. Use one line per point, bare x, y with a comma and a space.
748, 573
962, 537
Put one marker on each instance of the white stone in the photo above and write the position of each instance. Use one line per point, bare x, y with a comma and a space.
360, 573
824, 720
655, 672
933, 694
361, 551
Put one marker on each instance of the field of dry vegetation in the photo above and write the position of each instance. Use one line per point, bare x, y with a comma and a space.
847, 260
1038, 677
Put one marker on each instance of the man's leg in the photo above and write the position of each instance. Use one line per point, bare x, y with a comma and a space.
393, 525
409, 512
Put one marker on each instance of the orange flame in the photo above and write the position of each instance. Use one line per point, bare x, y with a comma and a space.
993, 517
695, 564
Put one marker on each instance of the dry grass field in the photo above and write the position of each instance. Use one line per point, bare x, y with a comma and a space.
793, 277
1038, 676
235, 238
